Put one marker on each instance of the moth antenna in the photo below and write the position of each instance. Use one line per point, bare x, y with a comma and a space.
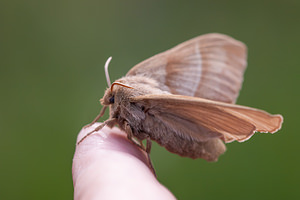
106, 71
121, 84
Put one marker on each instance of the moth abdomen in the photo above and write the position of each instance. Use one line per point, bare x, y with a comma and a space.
176, 142
209, 150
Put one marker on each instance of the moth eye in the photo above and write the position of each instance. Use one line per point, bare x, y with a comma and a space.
112, 99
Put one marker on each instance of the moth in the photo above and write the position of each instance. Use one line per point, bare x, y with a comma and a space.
184, 99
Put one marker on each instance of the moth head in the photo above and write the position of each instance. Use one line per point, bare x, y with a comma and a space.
109, 96
110, 93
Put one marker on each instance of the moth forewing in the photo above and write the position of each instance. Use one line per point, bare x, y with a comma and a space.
232, 122
210, 66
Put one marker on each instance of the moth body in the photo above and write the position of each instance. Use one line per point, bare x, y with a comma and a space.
145, 121
184, 99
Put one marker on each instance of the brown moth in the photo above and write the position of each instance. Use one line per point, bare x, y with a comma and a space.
184, 99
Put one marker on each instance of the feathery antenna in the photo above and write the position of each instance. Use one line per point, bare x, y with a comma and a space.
106, 71
122, 84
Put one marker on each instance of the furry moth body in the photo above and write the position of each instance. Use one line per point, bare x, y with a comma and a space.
184, 99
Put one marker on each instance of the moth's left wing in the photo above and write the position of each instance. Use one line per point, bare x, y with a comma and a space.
197, 117
210, 66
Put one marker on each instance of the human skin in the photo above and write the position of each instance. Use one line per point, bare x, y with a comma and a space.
106, 165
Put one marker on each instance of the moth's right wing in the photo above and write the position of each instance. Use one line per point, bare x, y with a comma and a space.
210, 66
201, 119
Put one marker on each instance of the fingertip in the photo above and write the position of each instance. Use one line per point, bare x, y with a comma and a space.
108, 140
107, 165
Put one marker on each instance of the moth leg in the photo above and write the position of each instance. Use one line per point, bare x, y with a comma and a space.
140, 144
109, 122
148, 149
102, 111
130, 137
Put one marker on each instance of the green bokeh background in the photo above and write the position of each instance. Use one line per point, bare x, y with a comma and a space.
51, 78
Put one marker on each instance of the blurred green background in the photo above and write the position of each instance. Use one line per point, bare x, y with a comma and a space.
51, 78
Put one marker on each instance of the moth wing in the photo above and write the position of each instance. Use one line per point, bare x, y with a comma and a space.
202, 119
210, 66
